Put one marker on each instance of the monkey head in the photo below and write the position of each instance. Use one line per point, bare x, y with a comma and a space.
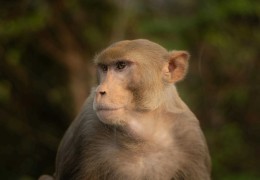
133, 76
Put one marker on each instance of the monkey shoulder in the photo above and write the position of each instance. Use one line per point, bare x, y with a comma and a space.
75, 141
191, 143
186, 131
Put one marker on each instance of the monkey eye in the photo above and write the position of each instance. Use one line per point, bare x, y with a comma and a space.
121, 65
103, 67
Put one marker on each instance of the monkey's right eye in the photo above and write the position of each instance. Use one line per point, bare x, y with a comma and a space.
103, 67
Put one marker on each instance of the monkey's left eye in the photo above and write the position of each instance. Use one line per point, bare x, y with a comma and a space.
121, 65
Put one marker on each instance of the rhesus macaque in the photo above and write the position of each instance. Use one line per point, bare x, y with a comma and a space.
134, 125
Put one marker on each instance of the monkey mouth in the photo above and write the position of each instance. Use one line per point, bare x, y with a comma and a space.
107, 108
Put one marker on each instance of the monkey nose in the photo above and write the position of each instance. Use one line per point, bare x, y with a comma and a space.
102, 93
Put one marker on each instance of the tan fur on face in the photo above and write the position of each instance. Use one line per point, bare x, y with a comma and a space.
134, 125
146, 83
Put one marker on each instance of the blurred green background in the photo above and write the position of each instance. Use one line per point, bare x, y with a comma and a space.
46, 72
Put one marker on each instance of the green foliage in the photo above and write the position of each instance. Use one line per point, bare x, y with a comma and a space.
230, 151
4, 92
31, 21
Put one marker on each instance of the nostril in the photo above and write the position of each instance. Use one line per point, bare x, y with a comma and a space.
102, 92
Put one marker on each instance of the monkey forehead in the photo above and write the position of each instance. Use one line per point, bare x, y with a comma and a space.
133, 50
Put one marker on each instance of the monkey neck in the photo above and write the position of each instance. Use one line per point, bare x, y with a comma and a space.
142, 128
172, 101
149, 126
143, 125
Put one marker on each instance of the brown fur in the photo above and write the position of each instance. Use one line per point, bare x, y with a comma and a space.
152, 136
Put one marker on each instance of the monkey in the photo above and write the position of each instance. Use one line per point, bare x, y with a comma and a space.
134, 125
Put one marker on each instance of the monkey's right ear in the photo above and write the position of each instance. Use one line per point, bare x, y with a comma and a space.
176, 68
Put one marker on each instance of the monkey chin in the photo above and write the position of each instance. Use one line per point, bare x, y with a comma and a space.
111, 116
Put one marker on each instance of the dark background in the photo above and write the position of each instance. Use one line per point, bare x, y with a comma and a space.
46, 71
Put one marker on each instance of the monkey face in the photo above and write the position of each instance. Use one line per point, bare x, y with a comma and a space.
112, 97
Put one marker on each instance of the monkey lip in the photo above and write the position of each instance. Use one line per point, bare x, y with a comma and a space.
107, 108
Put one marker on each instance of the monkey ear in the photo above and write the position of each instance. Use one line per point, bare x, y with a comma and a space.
176, 68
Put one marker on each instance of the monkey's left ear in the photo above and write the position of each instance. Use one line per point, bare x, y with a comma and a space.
176, 68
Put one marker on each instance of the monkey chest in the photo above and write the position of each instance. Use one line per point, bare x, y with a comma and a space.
113, 162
